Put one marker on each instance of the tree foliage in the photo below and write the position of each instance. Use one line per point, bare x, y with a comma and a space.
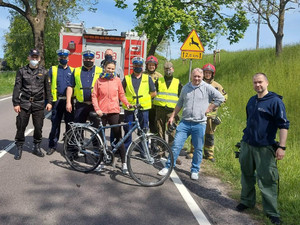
19, 40
273, 13
36, 12
161, 19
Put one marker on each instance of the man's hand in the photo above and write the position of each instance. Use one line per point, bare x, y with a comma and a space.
17, 109
279, 153
69, 107
48, 107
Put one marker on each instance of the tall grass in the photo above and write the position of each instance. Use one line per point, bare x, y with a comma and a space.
235, 72
7, 82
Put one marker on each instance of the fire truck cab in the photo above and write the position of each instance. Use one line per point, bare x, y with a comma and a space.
76, 38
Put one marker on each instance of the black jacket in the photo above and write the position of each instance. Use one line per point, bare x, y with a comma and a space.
32, 88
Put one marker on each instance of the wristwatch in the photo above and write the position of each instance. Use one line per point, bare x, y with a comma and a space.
283, 148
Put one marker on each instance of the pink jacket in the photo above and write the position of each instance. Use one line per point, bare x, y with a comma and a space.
106, 95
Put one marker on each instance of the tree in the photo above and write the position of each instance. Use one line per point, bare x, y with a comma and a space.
269, 9
36, 12
160, 19
19, 40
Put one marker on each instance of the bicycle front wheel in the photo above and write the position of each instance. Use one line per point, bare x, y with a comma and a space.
144, 169
82, 149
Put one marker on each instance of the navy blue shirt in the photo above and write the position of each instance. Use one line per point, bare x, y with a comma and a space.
264, 116
86, 77
63, 79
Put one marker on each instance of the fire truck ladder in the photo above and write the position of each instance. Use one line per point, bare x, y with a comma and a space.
134, 48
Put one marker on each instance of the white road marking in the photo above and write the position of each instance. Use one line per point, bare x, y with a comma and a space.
3, 99
12, 145
199, 215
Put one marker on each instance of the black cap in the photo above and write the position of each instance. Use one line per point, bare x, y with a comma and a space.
34, 52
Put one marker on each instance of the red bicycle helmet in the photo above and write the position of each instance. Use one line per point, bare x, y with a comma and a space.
152, 59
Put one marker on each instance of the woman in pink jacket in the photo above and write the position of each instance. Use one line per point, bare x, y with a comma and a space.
107, 93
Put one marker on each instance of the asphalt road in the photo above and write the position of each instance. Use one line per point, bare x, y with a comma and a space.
46, 190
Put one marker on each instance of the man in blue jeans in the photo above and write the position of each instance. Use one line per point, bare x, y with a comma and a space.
194, 99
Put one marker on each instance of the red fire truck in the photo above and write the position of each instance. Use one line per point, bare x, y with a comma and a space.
76, 38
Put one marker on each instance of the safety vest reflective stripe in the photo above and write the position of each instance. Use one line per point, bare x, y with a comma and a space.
144, 91
78, 89
165, 100
167, 96
166, 93
54, 81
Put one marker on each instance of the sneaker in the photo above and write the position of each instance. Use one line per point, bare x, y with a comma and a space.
79, 154
100, 168
124, 168
211, 158
194, 176
163, 172
241, 207
274, 220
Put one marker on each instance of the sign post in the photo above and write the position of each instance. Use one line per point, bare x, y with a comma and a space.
192, 48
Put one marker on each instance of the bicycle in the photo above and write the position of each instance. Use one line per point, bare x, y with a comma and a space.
85, 149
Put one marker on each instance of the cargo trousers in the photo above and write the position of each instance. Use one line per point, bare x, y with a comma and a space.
259, 163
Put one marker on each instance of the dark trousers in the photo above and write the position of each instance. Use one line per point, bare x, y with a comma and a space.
113, 118
22, 122
152, 122
143, 116
82, 112
58, 111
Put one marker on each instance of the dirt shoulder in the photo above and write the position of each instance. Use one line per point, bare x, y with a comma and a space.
212, 196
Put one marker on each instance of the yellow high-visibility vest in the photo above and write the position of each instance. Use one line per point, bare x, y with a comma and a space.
54, 82
167, 96
78, 89
144, 91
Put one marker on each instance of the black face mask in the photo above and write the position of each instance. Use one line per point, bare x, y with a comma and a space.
88, 63
108, 58
63, 62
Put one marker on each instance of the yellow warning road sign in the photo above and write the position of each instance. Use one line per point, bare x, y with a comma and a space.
192, 43
191, 55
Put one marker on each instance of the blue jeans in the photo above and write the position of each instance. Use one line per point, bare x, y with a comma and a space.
183, 131
143, 116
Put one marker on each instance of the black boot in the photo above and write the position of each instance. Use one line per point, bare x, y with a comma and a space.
37, 150
18, 153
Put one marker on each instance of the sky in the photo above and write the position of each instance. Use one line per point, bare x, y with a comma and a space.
110, 17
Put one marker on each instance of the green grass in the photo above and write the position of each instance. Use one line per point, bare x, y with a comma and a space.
7, 82
234, 72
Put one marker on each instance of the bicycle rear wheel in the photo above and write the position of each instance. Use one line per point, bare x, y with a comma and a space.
144, 171
81, 152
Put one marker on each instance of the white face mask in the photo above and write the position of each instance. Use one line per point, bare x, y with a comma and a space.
34, 62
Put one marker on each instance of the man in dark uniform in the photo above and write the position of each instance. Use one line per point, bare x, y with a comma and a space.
82, 81
31, 90
60, 79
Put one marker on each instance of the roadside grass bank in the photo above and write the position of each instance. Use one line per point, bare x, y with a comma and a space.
234, 73
7, 82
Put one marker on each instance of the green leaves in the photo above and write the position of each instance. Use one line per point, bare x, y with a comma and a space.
170, 18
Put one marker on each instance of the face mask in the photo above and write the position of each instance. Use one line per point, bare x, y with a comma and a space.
63, 62
138, 69
168, 73
34, 62
108, 58
88, 63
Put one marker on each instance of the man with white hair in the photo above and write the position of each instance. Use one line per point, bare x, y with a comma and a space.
194, 99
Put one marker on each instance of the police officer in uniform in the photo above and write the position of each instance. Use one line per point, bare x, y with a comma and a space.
82, 82
139, 89
212, 118
60, 79
30, 92
151, 66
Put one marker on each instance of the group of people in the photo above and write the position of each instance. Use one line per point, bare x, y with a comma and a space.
162, 97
